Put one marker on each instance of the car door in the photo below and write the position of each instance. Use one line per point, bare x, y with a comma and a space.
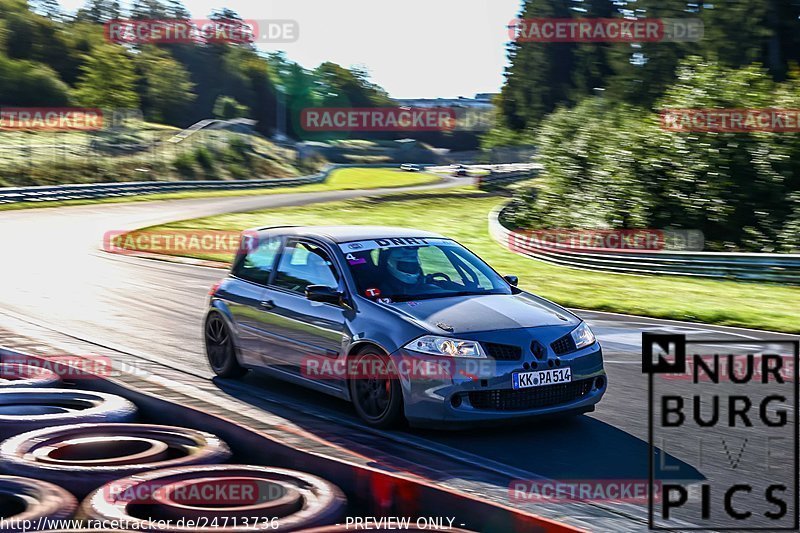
305, 329
244, 295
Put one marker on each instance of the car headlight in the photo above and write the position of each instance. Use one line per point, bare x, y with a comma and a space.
447, 346
583, 336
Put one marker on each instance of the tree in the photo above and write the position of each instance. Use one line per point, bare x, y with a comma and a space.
165, 87
25, 83
539, 75
108, 79
149, 9
22, 35
297, 86
3, 36
769, 37
340, 87
643, 71
263, 106
99, 11
48, 8
177, 10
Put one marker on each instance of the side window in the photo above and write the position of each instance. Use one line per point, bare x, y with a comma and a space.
303, 264
257, 265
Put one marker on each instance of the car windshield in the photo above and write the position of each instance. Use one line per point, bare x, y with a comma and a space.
403, 269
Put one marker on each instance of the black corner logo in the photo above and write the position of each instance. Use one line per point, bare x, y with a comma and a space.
663, 353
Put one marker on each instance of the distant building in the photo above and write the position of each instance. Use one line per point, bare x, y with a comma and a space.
481, 101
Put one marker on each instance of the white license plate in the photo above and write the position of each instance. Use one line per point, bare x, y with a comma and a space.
540, 378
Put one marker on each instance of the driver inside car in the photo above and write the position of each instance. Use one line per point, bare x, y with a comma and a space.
405, 273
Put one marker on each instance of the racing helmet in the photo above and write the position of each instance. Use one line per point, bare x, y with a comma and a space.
403, 264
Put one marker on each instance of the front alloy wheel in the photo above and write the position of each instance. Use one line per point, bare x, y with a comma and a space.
376, 395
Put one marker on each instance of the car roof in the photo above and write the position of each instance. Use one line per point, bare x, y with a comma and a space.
339, 234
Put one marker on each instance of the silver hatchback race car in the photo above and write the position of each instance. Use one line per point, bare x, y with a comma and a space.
403, 323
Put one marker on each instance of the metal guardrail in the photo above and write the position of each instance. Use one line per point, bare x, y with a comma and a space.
47, 193
501, 177
779, 268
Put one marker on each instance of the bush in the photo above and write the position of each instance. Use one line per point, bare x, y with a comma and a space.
204, 158
227, 108
184, 165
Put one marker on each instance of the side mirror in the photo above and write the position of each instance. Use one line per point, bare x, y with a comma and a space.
321, 293
512, 280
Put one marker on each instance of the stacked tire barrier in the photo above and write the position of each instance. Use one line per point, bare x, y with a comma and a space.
284, 499
147, 474
86, 456
16, 375
24, 410
24, 501
65, 445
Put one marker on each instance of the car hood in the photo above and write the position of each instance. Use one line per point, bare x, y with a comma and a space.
466, 314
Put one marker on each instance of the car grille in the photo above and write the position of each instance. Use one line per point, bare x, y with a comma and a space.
565, 344
532, 398
503, 352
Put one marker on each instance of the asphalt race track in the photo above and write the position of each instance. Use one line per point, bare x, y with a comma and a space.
55, 278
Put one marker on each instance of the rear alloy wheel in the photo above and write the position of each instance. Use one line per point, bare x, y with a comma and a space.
376, 395
220, 350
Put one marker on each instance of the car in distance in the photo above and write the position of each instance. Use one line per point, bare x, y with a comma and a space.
403, 323
410, 167
460, 171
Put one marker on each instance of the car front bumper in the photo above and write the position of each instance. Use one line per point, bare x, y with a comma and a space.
461, 392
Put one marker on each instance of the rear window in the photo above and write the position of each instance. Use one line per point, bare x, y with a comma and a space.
256, 265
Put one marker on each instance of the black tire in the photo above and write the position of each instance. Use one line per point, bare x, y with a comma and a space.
106, 452
376, 396
302, 501
30, 500
23, 410
20, 375
220, 349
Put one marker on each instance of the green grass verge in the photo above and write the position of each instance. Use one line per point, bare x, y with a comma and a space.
341, 179
462, 214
